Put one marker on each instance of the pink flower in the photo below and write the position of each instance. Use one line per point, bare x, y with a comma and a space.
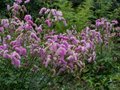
30, 22
88, 45
53, 12
27, 17
59, 13
61, 51
54, 47
3, 47
65, 23
1, 29
22, 51
18, 1
6, 55
27, 1
48, 22
33, 35
114, 21
28, 27
15, 57
8, 7
5, 23
42, 10
92, 57
15, 6
15, 43
48, 60
8, 37
74, 40
47, 11
39, 29
72, 58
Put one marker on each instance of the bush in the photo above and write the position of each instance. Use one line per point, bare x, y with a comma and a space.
47, 50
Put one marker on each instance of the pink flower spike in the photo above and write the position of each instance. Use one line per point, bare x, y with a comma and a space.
27, 1
59, 13
22, 51
42, 11
8, 7
47, 60
1, 29
15, 57
48, 22
27, 17
33, 35
5, 23
53, 12
8, 37
28, 27
61, 51
39, 29
15, 6
47, 11
18, 1
6, 55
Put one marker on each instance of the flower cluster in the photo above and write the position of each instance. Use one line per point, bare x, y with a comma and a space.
68, 51
16, 36
105, 27
16, 8
53, 16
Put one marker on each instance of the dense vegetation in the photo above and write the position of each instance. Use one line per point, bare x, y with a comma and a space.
59, 44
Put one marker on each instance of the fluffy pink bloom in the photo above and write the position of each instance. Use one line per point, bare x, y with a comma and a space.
48, 22
47, 11
3, 47
33, 35
18, 1
30, 22
6, 55
15, 57
114, 21
88, 45
53, 12
65, 23
8, 7
15, 6
54, 47
72, 58
27, 1
39, 29
59, 13
61, 51
8, 37
42, 10
1, 29
27, 17
22, 51
48, 60
5, 23
28, 27
74, 40
15, 43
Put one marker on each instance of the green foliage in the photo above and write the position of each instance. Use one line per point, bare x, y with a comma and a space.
102, 7
84, 13
76, 17
107, 8
115, 14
